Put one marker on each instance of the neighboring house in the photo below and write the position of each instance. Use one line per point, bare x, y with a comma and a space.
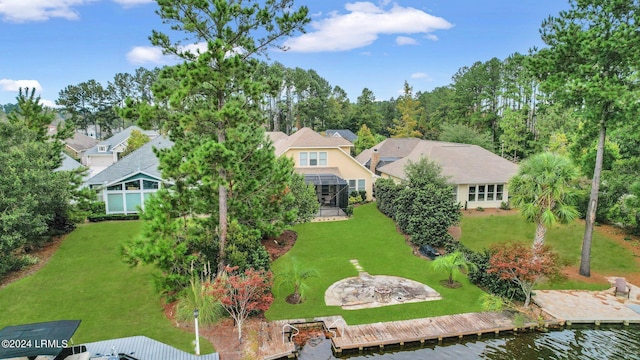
325, 162
69, 163
479, 176
108, 151
126, 184
343, 133
77, 145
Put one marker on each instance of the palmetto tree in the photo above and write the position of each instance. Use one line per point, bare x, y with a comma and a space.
296, 276
454, 262
543, 190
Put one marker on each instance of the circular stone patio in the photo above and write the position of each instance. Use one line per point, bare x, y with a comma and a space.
367, 291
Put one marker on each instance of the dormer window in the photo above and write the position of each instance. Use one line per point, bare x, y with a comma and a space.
102, 148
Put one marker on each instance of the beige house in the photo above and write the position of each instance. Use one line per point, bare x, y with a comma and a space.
479, 176
325, 162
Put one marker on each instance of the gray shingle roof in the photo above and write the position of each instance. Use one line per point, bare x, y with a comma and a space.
69, 163
143, 348
141, 160
118, 139
461, 163
343, 133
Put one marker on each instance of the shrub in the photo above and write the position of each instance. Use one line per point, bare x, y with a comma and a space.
505, 205
349, 210
108, 217
492, 283
363, 194
197, 296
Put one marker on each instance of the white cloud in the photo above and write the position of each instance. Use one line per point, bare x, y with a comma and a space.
362, 25
15, 85
405, 40
420, 75
39, 10
431, 37
49, 103
130, 3
146, 55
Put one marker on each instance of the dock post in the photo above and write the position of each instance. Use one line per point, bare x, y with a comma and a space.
625, 323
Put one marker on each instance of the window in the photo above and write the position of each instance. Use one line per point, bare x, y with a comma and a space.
313, 158
499, 192
357, 185
114, 187
491, 192
149, 185
132, 185
102, 148
323, 158
352, 186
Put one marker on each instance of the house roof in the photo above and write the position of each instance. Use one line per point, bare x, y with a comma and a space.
461, 163
118, 139
80, 142
69, 163
343, 133
143, 348
142, 160
305, 138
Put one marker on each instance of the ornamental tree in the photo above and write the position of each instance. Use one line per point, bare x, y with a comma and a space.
524, 265
242, 294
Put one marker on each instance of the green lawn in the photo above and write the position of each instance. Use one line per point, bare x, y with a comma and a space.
607, 257
371, 238
87, 280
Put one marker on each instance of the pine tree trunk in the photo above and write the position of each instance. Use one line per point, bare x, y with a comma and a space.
590, 218
222, 204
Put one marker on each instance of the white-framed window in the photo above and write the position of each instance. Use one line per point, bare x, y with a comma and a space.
357, 185
313, 158
102, 148
486, 192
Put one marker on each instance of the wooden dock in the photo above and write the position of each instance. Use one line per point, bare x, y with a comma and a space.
274, 345
366, 336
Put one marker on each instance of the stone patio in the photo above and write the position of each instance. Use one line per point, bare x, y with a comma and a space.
581, 306
367, 291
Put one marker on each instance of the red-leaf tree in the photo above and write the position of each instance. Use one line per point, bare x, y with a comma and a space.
243, 293
524, 265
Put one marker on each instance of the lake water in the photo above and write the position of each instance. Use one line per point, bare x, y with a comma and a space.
576, 343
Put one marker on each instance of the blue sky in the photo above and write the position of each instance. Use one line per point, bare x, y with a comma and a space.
378, 44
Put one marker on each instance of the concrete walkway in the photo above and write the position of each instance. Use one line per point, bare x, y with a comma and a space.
581, 306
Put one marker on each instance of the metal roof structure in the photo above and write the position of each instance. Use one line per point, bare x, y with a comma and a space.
31, 340
324, 179
143, 348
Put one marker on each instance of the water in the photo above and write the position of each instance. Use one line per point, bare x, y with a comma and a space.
576, 343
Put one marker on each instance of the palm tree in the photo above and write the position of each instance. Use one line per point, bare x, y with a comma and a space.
543, 190
455, 261
296, 276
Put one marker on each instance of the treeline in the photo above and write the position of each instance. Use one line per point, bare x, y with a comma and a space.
500, 105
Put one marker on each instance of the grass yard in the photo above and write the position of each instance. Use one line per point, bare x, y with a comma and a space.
607, 257
87, 280
372, 239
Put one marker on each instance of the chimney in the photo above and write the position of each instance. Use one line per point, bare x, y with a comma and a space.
375, 159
